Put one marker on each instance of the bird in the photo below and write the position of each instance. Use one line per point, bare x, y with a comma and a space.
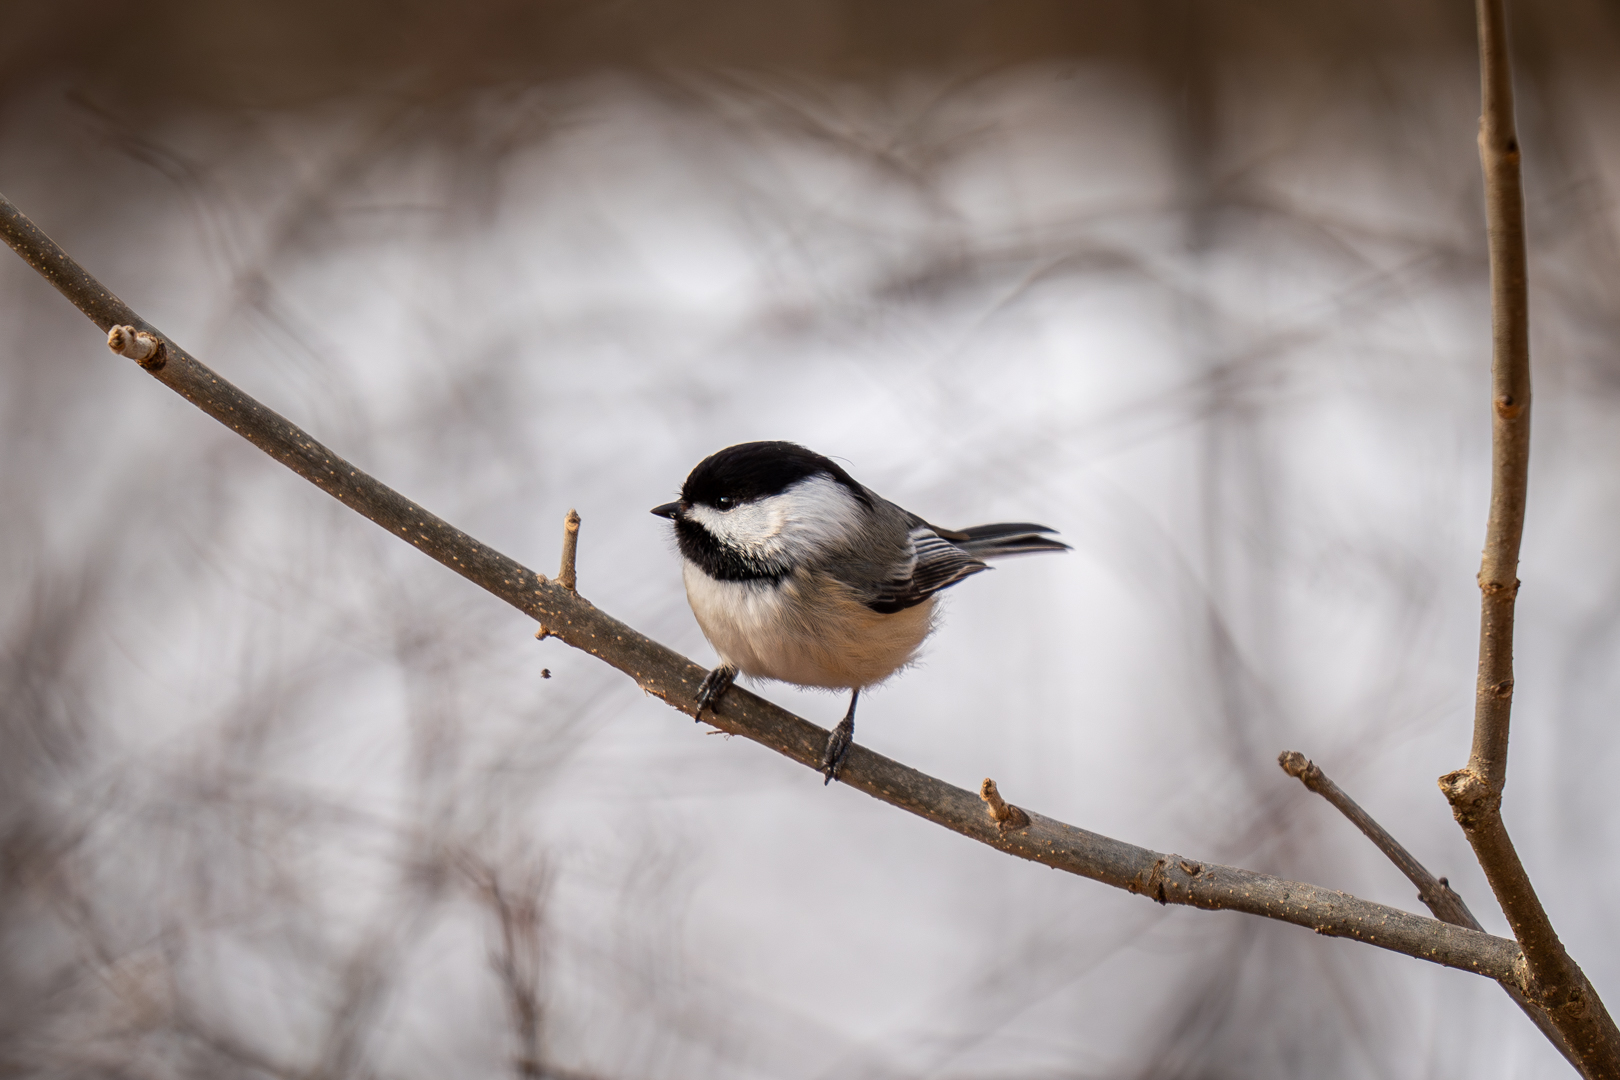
796, 572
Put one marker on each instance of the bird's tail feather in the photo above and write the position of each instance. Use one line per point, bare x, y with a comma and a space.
1007, 538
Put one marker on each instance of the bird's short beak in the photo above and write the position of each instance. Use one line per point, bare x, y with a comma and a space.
669, 510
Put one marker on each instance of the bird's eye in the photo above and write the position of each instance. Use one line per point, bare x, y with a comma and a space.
725, 502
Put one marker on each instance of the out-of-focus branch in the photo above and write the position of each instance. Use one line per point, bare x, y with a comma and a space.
1436, 893
517, 962
1475, 791
1169, 879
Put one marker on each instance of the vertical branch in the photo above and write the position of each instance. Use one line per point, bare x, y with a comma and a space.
517, 963
1510, 399
1475, 791
567, 573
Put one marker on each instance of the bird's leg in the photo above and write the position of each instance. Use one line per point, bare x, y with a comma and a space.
839, 742
715, 685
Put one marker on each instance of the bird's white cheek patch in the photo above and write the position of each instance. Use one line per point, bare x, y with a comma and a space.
750, 527
808, 517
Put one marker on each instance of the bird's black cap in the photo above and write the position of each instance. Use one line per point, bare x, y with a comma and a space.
755, 470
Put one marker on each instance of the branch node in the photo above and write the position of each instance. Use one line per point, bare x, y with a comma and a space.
1472, 798
1007, 817
139, 346
1154, 887
570, 549
1507, 408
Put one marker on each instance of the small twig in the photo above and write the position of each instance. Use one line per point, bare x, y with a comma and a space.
1006, 816
566, 576
1436, 893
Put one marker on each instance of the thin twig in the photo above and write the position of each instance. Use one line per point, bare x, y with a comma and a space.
1436, 893
1475, 791
667, 675
566, 575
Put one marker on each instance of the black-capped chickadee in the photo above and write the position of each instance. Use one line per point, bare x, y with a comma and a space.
798, 573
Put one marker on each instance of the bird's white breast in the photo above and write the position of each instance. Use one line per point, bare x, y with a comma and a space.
808, 629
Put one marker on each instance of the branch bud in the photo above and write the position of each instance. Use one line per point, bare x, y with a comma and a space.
138, 346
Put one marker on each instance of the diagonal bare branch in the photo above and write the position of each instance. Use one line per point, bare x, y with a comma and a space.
1475, 791
1436, 893
1167, 878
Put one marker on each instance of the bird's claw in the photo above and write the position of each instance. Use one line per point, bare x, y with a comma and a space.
838, 744
715, 685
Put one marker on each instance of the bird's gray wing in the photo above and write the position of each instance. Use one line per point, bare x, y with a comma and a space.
933, 563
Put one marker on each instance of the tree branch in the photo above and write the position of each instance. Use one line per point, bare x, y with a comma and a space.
1169, 879
1475, 791
1436, 893
1510, 399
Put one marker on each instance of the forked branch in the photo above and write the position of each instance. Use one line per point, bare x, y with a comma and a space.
1436, 893
1475, 791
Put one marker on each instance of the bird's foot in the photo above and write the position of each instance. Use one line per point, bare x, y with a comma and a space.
838, 744
715, 685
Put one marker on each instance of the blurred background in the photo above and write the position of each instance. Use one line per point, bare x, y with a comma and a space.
1202, 284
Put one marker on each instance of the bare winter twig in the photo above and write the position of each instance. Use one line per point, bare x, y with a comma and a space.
1169, 879
1475, 791
1437, 895
567, 575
